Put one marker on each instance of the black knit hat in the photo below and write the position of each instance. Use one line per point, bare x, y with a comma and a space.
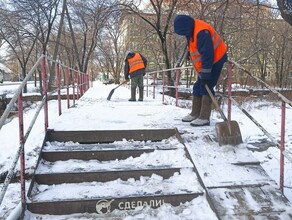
184, 25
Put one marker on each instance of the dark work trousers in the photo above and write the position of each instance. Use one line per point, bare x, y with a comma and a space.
199, 86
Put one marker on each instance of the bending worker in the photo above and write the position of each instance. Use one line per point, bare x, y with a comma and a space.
208, 55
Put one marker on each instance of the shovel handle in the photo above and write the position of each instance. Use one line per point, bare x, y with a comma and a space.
182, 57
218, 108
215, 102
121, 84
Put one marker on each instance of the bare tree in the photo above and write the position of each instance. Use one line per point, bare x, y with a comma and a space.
57, 44
285, 7
281, 57
37, 17
260, 39
160, 20
85, 20
14, 31
109, 53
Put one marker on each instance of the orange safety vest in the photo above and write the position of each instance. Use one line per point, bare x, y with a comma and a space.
136, 63
219, 46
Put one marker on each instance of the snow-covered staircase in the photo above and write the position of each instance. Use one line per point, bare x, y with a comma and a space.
102, 171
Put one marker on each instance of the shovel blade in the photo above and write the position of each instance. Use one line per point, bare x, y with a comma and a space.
110, 94
228, 136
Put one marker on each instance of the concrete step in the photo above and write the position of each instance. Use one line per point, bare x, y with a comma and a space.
154, 190
99, 176
55, 151
157, 158
108, 205
110, 136
102, 176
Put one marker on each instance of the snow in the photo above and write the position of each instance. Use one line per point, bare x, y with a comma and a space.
94, 112
144, 186
8, 88
156, 158
4, 68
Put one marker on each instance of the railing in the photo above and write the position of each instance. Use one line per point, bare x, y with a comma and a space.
284, 100
79, 81
231, 63
164, 85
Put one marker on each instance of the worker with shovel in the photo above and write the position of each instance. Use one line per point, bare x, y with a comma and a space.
135, 65
208, 55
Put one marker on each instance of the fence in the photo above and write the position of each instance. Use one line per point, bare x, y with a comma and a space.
230, 66
284, 100
79, 83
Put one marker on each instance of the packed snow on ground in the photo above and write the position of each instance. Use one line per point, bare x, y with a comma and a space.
119, 114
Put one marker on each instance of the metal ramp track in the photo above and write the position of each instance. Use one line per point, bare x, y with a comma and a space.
236, 184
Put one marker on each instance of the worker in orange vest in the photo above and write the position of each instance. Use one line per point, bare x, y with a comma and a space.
135, 65
208, 53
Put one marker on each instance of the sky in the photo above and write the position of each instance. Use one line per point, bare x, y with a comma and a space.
94, 112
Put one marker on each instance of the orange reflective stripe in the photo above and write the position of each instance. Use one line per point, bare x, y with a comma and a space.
136, 63
195, 53
196, 59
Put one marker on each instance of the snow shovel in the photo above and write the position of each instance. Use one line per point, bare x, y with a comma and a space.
112, 91
228, 132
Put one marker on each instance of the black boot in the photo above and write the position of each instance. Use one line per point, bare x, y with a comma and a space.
133, 94
141, 91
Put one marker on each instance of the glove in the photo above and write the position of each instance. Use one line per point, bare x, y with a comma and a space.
205, 76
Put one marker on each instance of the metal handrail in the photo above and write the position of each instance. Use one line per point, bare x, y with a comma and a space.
165, 70
282, 97
32, 122
281, 146
2, 122
17, 155
17, 93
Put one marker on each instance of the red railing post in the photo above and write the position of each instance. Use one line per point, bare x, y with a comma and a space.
81, 84
229, 70
84, 83
59, 88
74, 81
282, 147
22, 154
44, 75
163, 85
87, 82
78, 85
154, 84
147, 84
67, 86
176, 86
